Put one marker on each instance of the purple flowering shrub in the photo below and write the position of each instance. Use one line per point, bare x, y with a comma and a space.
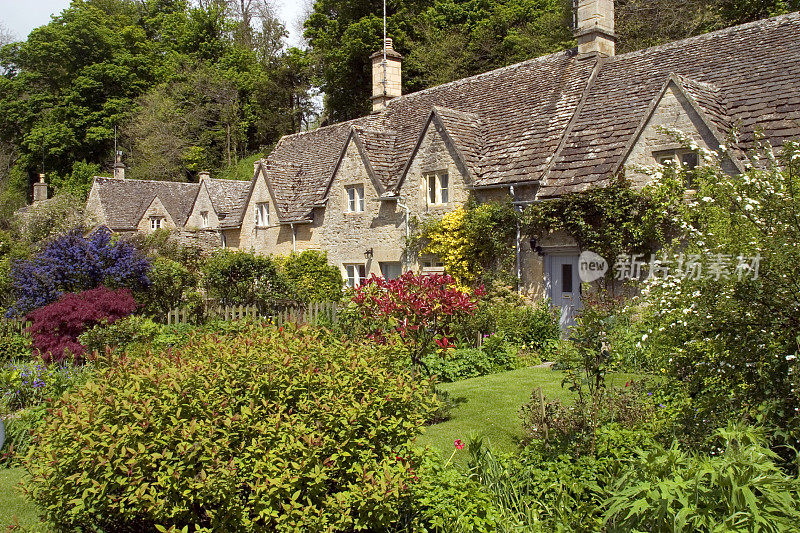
73, 263
55, 328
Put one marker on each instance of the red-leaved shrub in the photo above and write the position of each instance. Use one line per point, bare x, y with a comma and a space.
55, 328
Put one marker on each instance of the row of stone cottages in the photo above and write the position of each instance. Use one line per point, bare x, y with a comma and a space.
536, 130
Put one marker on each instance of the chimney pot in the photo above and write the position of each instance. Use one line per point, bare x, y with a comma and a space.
204, 175
119, 166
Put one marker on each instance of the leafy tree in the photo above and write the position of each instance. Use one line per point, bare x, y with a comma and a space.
73, 263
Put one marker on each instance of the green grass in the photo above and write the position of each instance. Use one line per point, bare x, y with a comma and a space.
13, 504
489, 405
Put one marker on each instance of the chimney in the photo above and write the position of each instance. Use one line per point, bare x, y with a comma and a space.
119, 166
39, 190
594, 28
387, 80
204, 175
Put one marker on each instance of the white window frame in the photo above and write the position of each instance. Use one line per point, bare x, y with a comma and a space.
204, 219
354, 198
678, 157
262, 214
156, 223
437, 188
355, 274
431, 265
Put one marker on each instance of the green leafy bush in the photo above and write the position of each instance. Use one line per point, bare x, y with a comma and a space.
134, 335
265, 430
20, 429
739, 488
463, 363
15, 342
312, 278
171, 285
28, 383
243, 278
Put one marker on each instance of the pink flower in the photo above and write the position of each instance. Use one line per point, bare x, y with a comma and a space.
459, 444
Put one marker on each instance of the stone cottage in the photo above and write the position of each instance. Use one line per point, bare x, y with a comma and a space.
536, 130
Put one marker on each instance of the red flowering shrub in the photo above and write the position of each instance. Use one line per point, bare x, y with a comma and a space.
55, 327
421, 309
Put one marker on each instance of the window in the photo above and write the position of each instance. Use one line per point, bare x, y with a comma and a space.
432, 266
391, 271
204, 219
688, 160
156, 222
438, 188
355, 199
356, 274
566, 277
262, 214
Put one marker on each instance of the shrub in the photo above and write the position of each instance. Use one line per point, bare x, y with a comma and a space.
171, 285
463, 363
243, 278
421, 309
20, 428
25, 384
15, 342
740, 488
73, 263
312, 278
266, 430
134, 335
47, 220
55, 328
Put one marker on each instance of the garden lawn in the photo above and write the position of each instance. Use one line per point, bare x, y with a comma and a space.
489, 405
13, 503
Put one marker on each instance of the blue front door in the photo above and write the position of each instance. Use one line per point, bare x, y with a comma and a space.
564, 286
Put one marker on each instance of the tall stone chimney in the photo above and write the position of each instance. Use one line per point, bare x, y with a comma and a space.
387, 81
119, 166
594, 28
39, 190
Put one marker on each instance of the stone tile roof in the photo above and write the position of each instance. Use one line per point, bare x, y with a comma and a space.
124, 201
561, 121
227, 196
754, 68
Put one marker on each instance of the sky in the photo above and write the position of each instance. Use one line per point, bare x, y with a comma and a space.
21, 16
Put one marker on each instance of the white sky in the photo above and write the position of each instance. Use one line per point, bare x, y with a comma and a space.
20, 16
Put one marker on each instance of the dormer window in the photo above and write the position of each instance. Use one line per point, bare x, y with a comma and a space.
204, 219
156, 223
355, 199
262, 215
437, 188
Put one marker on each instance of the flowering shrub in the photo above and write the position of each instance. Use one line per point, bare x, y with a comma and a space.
731, 338
73, 263
269, 429
55, 328
26, 384
421, 309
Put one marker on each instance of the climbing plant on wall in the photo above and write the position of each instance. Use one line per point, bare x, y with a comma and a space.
475, 243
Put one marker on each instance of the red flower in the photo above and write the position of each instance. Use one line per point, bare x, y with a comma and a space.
459, 444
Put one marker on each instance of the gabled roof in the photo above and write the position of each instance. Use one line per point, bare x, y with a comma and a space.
124, 201
226, 196
749, 74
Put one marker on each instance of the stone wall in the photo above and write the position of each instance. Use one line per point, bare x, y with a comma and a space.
156, 209
202, 203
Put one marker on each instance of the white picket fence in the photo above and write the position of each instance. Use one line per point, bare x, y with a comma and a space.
308, 313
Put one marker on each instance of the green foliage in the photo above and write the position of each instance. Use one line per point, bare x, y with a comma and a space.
171, 285
463, 363
59, 215
20, 429
134, 335
445, 500
311, 277
15, 342
739, 488
474, 243
264, 430
244, 278
28, 383
79, 182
